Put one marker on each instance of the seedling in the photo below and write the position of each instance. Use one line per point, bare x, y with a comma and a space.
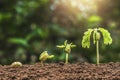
44, 56
16, 64
67, 48
96, 36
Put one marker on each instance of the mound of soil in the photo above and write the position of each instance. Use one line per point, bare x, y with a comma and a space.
61, 71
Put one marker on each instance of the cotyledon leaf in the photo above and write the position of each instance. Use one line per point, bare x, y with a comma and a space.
86, 38
106, 36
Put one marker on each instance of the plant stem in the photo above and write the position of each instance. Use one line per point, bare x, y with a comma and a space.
66, 58
42, 63
97, 51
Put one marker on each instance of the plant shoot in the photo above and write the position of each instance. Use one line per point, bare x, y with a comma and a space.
16, 64
96, 36
67, 48
44, 56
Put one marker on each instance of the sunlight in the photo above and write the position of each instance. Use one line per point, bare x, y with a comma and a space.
72, 10
84, 6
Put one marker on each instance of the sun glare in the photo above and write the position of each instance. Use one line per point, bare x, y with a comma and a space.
69, 10
84, 6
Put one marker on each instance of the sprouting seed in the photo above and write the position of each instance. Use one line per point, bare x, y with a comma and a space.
16, 64
44, 56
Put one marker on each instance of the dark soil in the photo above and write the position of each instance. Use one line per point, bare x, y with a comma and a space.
61, 71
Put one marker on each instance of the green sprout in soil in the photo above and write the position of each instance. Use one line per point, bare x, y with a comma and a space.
96, 36
44, 56
16, 64
67, 48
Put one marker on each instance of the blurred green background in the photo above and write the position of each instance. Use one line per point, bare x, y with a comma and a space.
28, 27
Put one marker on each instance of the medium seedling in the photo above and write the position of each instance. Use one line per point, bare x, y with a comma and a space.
67, 48
44, 56
96, 36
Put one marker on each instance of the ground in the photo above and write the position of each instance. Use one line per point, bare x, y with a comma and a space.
61, 71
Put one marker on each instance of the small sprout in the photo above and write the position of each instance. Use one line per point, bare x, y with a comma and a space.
97, 32
16, 64
67, 48
44, 56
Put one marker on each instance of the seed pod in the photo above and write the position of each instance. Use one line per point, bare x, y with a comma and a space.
16, 64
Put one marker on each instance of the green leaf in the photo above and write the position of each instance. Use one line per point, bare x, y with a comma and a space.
106, 36
60, 46
86, 38
65, 43
51, 56
73, 46
19, 41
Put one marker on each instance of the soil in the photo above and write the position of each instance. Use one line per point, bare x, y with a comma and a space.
61, 71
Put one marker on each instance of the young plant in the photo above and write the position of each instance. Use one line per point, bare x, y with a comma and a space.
16, 64
44, 56
96, 36
67, 48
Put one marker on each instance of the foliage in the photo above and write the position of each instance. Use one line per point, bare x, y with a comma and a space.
86, 38
19, 41
106, 36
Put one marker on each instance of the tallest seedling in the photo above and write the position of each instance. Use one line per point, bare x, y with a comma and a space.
96, 36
